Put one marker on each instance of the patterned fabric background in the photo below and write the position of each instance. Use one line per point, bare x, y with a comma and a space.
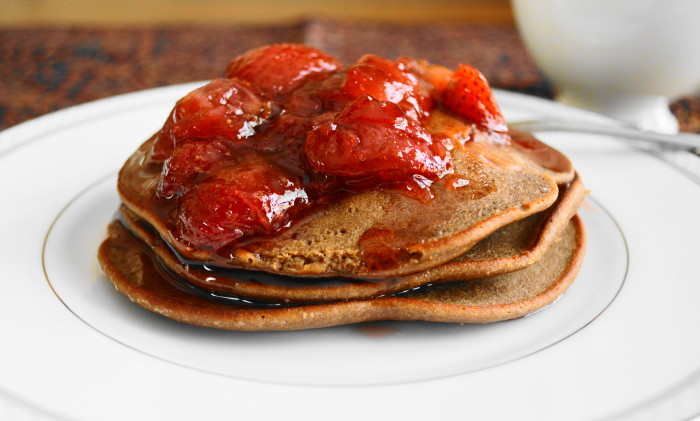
42, 70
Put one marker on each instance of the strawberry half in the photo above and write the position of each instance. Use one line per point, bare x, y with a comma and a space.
468, 95
281, 68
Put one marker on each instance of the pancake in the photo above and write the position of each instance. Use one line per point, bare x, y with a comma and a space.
298, 193
378, 233
132, 269
523, 152
511, 248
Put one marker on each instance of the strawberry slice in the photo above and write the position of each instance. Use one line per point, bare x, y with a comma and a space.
388, 80
226, 108
468, 95
279, 69
382, 79
189, 161
375, 140
251, 197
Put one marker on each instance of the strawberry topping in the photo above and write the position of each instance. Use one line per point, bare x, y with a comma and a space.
468, 95
240, 200
226, 108
290, 128
376, 140
279, 69
188, 162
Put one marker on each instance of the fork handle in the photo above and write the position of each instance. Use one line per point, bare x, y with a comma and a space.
685, 141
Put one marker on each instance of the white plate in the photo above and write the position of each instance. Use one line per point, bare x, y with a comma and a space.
622, 342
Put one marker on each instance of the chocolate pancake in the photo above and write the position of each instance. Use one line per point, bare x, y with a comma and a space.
511, 248
381, 233
130, 266
524, 152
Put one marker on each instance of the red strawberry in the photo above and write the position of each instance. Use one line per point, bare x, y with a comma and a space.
382, 79
279, 69
189, 161
251, 197
224, 108
375, 140
468, 95
388, 80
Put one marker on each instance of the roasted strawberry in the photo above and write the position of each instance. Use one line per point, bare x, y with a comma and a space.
251, 197
319, 94
385, 80
224, 108
188, 162
388, 80
279, 69
376, 140
468, 95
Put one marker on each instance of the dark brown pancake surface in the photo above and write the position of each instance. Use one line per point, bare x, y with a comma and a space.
130, 266
377, 234
511, 248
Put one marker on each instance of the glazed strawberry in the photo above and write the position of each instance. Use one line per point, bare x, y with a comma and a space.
385, 80
321, 93
188, 162
225, 108
468, 95
253, 197
388, 80
287, 131
279, 69
376, 140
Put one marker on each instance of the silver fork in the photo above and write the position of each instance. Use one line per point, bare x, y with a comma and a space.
686, 141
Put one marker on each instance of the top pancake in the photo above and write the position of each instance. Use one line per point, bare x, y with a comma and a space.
385, 233
513, 247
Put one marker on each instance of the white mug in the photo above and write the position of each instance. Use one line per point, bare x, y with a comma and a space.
623, 58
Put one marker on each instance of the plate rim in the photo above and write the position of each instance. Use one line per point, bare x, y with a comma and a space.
100, 180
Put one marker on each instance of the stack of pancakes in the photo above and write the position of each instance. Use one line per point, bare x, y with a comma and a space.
504, 244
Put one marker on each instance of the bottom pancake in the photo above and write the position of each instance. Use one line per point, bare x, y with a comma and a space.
131, 267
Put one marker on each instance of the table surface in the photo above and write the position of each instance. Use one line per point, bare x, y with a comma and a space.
47, 68
25, 12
